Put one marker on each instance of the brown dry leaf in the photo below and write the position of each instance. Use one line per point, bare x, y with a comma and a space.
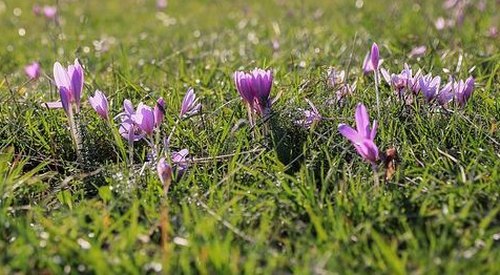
390, 162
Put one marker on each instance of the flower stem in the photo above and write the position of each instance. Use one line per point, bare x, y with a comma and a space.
377, 92
375, 175
131, 153
73, 126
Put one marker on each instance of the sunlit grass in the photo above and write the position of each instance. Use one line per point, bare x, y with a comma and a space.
293, 201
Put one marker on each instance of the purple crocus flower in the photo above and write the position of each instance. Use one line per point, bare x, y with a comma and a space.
363, 137
100, 104
255, 88
50, 12
372, 60
164, 172
144, 118
429, 86
33, 70
190, 105
311, 116
445, 95
463, 91
71, 79
159, 111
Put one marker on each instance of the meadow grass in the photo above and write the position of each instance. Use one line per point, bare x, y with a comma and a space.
293, 200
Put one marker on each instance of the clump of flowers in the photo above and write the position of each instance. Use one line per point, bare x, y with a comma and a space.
408, 85
336, 79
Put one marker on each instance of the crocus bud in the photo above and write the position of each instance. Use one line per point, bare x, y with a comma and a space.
100, 104
32, 70
374, 56
164, 173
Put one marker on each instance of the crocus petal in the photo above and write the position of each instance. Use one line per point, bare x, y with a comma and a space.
373, 132
367, 64
65, 99
61, 76
374, 56
76, 81
144, 118
77, 86
159, 111
386, 75
128, 107
369, 150
349, 133
362, 120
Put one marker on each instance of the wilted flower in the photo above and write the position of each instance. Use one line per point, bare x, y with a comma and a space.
429, 86
50, 12
311, 116
100, 104
144, 118
159, 111
363, 137
190, 105
255, 88
33, 70
164, 173
70, 81
179, 159
335, 77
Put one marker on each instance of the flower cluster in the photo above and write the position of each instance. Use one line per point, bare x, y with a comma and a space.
408, 85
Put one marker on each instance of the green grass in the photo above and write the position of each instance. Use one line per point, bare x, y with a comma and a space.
296, 201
